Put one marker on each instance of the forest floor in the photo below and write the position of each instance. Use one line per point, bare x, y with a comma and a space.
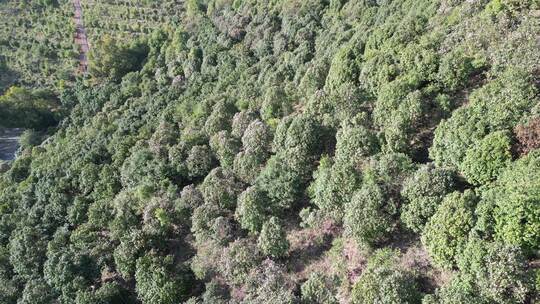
80, 37
9, 143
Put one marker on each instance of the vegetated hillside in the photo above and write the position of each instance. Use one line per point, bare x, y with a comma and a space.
125, 20
36, 43
291, 152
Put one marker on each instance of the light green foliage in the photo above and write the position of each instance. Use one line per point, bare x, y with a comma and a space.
371, 215
272, 240
335, 181
36, 43
485, 160
423, 193
334, 184
383, 281
454, 292
247, 166
298, 139
354, 142
445, 234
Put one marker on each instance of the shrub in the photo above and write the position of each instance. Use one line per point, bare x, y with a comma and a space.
299, 141
454, 292
445, 234
498, 105
191, 197
250, 211
515, 198
238, 259
247, 166
220, 118
113, 59
484, 161
282, 185
498, 271
383, 281
272, 240
269, 283
225, 147
334, 184
256, 138
159, 281
317, 290
203, 219
240, 122
423, 193
368, 216
354, 142
220, 188
199, 161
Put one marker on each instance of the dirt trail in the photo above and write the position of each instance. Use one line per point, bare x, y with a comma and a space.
80, 36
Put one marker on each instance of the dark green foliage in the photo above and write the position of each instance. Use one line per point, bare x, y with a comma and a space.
23, 108
383, 281
225, 148
108, 293
114, 59
281, 183
445, 234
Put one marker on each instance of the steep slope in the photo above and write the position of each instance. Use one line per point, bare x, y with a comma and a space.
369, 142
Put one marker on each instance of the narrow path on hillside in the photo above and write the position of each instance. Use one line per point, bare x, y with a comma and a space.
80, 37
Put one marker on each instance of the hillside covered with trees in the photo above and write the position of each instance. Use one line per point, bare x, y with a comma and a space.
284, 151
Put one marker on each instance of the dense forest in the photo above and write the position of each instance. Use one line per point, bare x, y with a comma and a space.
281, 151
